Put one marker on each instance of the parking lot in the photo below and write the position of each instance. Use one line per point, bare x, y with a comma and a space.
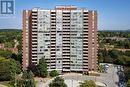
121, 75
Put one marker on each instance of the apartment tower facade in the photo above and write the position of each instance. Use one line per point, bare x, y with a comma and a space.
65, 36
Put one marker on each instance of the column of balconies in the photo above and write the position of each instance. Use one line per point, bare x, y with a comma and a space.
34, 37
85, 41
53, 41
66, 41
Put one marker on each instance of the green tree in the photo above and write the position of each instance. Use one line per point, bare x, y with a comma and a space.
101, 68
42, 68
14, 68
100, 57
128, 83
113, 53
19, 57
5, 53
8, 69
54, 73
124, 60
5, 74
58, 82
14, 56
89, 83
26, 80
127, 44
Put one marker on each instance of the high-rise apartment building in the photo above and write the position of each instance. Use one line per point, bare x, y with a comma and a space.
66, 37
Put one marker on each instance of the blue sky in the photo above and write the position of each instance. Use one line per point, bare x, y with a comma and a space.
112, 14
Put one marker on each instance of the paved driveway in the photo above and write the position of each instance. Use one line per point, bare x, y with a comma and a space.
110, 78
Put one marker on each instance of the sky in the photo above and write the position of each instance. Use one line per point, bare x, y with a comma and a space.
112, 14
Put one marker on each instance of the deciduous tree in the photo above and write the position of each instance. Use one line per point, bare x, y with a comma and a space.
42, 68
58, 82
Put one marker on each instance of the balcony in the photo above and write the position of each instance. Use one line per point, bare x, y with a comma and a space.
67, 21
66, 51
85, 17
34, 27
53, 42
66, 65
85, 12
53, 27
34, 14
53, 64
34, 56
66, 60
53, 18
53, 59
34, 36
53, 36
53, 39
67, 70
85, 30
34, 52
34, 17
85, 52
85, 56
34, 11
53, 55
34, 42
66, 39
34, 48
85, 46
85, 62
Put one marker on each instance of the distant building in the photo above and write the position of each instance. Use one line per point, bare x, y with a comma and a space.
66, 37
14, 50
2, 46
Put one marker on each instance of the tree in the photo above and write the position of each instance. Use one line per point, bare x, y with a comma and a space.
127, 72
100, 57
128, 83
5, 53
42, 68
19, 57
89, 83
14, 68
8, 69
58, 82
124, 60
113, 53
101, 68
54, 73
26, 80
5, 74
14, 56
34, 69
